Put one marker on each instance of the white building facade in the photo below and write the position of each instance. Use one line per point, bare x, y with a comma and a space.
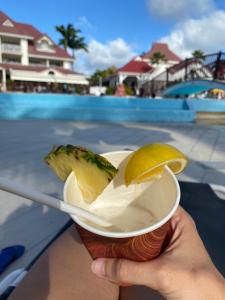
141, 70
31, 60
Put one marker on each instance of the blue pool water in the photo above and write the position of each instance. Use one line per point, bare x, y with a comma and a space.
109, 109
89, 108
206, 105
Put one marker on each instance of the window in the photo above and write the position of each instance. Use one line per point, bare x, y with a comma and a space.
56, 63
8, 23
45, 44
10, 60
37, 62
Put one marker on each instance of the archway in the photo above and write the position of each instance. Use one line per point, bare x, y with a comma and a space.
132, 83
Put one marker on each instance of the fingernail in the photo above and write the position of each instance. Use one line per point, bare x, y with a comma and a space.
98, 267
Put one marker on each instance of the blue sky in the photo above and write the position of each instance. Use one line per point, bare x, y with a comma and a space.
117, 30
102, 20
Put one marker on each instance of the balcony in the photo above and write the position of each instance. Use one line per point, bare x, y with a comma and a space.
11, 48
11, 61
37, 62
37, 65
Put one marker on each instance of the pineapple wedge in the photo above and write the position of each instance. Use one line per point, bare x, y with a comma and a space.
93, 172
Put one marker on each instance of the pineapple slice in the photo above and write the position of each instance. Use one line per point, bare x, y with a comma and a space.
93, 172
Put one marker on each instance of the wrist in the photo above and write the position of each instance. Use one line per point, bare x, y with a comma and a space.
212, 284
220, 283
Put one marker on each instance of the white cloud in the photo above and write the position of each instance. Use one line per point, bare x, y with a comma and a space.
85, 24
206, 34
177, 10
100, 56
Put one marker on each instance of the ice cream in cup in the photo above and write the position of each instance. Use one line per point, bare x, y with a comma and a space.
139, 213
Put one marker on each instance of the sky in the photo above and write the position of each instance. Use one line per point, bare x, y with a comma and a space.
118, 30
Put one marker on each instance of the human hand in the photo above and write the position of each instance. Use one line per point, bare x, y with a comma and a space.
183, 271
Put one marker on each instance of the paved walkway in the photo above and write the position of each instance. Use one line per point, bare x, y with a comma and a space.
24, 144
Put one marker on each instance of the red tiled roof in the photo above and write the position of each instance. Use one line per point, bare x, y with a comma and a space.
164, 49
135, 66
36, 69
18, 28
59, 52
29, 30
4, 17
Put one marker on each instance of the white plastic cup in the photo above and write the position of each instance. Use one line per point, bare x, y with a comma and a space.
142, 244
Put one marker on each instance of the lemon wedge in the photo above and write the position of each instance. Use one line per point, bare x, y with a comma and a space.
148, 162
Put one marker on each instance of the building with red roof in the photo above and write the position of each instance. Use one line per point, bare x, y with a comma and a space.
136, 67
30, 59
163, 48
142, 69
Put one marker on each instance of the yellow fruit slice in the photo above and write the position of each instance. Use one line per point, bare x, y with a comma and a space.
148, 162
93, 172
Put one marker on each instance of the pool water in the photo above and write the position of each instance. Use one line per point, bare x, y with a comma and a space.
90, 108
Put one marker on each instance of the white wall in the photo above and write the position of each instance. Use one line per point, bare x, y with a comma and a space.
24, 50
45, 77
67, 65
97, 90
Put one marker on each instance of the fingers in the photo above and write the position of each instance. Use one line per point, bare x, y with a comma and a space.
126, 272
182, 216
155, 273
181, 212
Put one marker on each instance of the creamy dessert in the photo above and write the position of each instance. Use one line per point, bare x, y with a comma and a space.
98, 185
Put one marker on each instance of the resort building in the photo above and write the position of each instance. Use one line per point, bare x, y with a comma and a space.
143, 69
31, 61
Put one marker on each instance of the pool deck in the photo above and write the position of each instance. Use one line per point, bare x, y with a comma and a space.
24, 144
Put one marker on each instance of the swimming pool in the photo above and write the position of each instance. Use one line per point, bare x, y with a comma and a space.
90, 108
107, 109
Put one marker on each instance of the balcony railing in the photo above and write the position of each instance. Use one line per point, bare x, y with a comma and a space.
11, 61
56, 65
37, 64
11, 48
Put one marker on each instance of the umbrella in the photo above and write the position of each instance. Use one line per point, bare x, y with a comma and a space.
217, 91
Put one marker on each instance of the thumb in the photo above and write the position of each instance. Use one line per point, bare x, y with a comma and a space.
126, 271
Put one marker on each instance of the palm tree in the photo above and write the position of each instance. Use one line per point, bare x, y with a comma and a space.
66, 33
158, 57
94, 79
71, 39
198, 54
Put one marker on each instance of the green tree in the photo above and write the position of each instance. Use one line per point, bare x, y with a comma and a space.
71, 38
95, 78
198, 54
129, 90
111, 71
158, 57
102, 74
110, 90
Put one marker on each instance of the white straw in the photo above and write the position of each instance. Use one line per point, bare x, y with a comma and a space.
20, 190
